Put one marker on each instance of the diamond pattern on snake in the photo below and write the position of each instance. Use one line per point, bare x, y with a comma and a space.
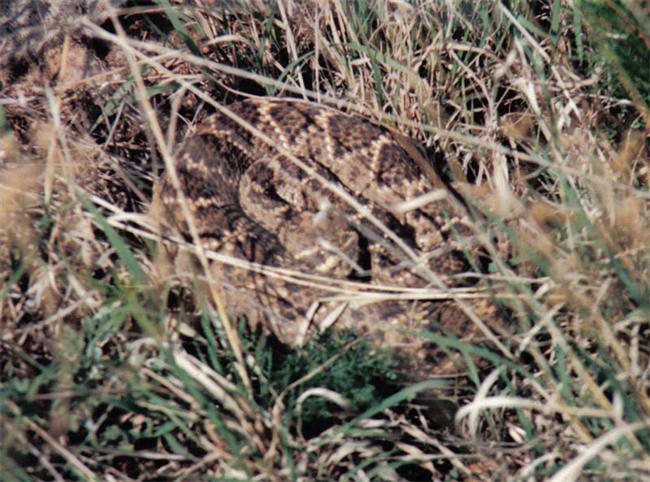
322, 208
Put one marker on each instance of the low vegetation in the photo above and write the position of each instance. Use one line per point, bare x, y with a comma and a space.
114, 364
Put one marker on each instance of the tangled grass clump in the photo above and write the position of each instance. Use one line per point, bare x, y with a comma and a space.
113, 363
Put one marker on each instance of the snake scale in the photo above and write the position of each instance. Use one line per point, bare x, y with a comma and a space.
363, 266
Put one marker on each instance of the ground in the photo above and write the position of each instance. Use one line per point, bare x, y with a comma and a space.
114, 362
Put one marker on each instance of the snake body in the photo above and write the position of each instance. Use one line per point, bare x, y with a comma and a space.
336, 215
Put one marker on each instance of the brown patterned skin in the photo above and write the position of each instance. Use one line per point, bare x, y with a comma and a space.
251, 202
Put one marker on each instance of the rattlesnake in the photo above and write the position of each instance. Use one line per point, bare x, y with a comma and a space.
252, 202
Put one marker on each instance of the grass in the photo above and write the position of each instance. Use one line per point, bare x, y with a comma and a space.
114, 363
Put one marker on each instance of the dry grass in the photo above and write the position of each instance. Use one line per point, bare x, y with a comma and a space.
114, 364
